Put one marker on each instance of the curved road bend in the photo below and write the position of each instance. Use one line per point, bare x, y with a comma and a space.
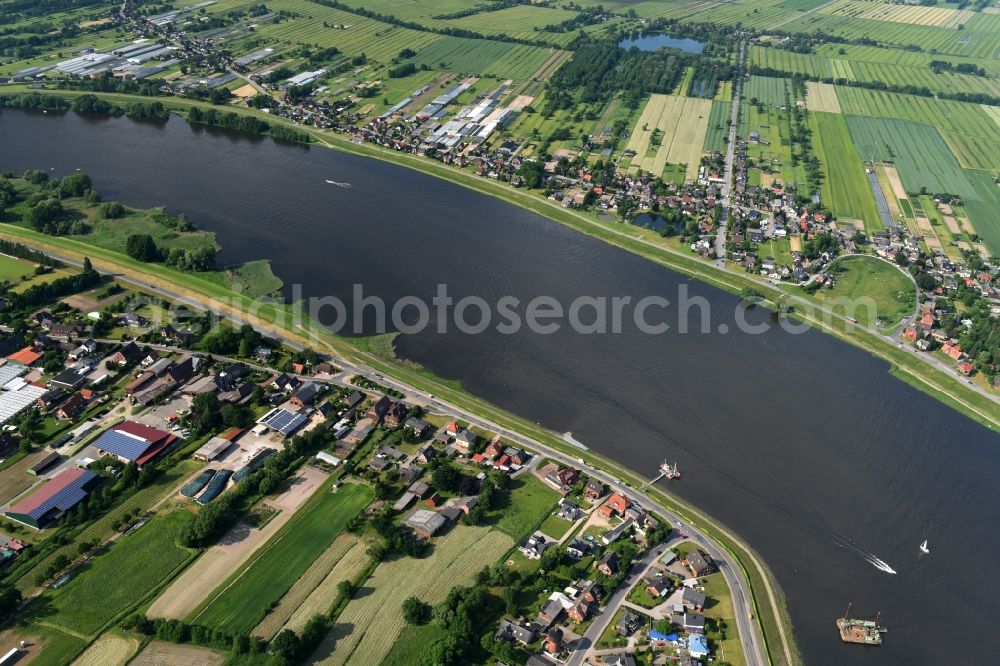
749, 630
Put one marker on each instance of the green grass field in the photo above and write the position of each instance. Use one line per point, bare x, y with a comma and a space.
872, 289
244, 600
918, 151
845, 188
133, 567
718, 127
768, 90
984, 208
12, 270
410, 646
530, 501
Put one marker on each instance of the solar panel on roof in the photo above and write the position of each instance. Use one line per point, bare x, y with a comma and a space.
63, 499
283, 421
122, 444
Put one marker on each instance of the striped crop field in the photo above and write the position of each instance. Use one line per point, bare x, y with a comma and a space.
348, 567
718, 127
960, 117
921, 156
938, 17
977, 40
843, 68
845, 189
789, 61
748, 13
822, 97
243, 601
367, 627
993, 112
483, 57
969, 130
304, 587
982, 208
518, 22
768, 90
891, 56
681, 123
669, 9
313, 24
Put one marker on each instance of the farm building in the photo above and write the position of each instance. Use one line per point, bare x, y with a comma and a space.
282, 421
216, 446
425, 523
52, 500
43, 461
134, 442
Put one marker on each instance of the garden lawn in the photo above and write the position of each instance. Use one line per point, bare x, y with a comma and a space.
133, 567
529, 502
243, 601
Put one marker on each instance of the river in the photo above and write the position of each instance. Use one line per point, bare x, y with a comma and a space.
803, 445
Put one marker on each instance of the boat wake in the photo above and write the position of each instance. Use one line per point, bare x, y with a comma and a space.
333, 182
870, 558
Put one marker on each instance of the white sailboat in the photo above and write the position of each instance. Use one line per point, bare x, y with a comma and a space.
924, 549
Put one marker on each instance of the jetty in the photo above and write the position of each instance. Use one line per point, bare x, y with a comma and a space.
667, 472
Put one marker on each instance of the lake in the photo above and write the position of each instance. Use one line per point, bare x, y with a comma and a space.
658, 40
803, 445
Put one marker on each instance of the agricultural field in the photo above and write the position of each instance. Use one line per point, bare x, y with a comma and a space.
679, 124
482, 57
822, 97
718, 127
845, 189
873, 288
367, 627
111, 649
835, 67
520, 22
304, 586
242, 601
748, 13
939, 17
896, 56
918, 151
348, 567
161, 653
984, 208
768, 90
189, 590
140, 562
977, 39
970, 120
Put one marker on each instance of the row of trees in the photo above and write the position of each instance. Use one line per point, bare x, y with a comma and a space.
246, 123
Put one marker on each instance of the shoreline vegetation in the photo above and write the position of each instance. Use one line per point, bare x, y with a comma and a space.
378, 352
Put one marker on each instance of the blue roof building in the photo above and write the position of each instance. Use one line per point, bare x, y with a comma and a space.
697, 646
